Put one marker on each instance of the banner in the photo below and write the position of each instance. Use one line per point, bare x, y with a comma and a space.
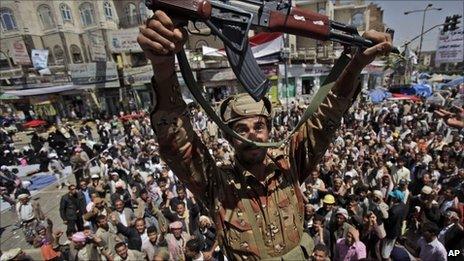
19, 53
39, 58
450, 47
138, 75
86, 73
97, 47
124, 41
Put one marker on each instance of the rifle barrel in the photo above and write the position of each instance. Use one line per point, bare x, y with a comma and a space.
354, 39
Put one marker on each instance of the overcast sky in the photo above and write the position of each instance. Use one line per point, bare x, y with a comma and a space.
408, 26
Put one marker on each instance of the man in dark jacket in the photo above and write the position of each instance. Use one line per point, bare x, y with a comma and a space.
189, 218
85, 192
451, 236
396, 215
71, 210
181, 197
135, 235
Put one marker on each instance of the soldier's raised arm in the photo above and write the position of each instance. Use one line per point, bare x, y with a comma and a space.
180, 147
311, 140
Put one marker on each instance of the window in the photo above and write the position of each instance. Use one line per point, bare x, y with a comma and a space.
358, 20
86, 11
138, 59
131, 14
8, 20
108, 10
46, 16
307, 84
65, 12
76, 54
321, 10
59, 54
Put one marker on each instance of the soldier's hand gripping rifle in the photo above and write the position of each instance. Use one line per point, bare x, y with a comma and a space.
231, 20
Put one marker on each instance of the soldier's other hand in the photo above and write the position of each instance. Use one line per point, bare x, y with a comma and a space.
160, 36
383, 47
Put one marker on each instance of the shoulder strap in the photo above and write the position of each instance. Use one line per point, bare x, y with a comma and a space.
319, 97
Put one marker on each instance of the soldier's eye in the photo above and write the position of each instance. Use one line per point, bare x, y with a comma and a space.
241, 130
259, 127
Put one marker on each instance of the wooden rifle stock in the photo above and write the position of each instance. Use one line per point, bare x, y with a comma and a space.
300, 22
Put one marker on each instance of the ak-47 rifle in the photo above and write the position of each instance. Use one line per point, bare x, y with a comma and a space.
231, 20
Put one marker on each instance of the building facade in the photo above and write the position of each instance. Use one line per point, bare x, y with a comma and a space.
313, 59
92, 47
76, 35
357, 13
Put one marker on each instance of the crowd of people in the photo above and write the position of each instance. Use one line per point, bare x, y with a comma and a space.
391, 185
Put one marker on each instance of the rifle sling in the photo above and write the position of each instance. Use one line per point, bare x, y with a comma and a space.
318, 98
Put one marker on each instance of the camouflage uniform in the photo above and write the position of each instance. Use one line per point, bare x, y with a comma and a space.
255, 221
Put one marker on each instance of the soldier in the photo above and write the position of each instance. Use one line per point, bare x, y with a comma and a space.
256, 203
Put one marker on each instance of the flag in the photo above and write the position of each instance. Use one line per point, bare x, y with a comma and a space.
266, 48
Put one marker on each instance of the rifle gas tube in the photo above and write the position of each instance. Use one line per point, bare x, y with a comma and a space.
231, 20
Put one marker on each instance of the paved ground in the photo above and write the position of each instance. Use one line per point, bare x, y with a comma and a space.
49, 199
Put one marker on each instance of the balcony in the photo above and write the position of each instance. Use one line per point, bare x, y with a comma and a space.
131, 21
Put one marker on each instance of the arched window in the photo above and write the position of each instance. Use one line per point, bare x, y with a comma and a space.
131, 13
87, 14
59, 54
66, 12
108, 10
7, 19
46, 16
76, 54
357, 19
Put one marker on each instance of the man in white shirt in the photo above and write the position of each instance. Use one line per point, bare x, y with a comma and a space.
24, 208
350, 171
401, 173
430, 248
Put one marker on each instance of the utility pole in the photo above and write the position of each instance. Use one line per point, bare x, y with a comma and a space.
427, 8
285, 56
